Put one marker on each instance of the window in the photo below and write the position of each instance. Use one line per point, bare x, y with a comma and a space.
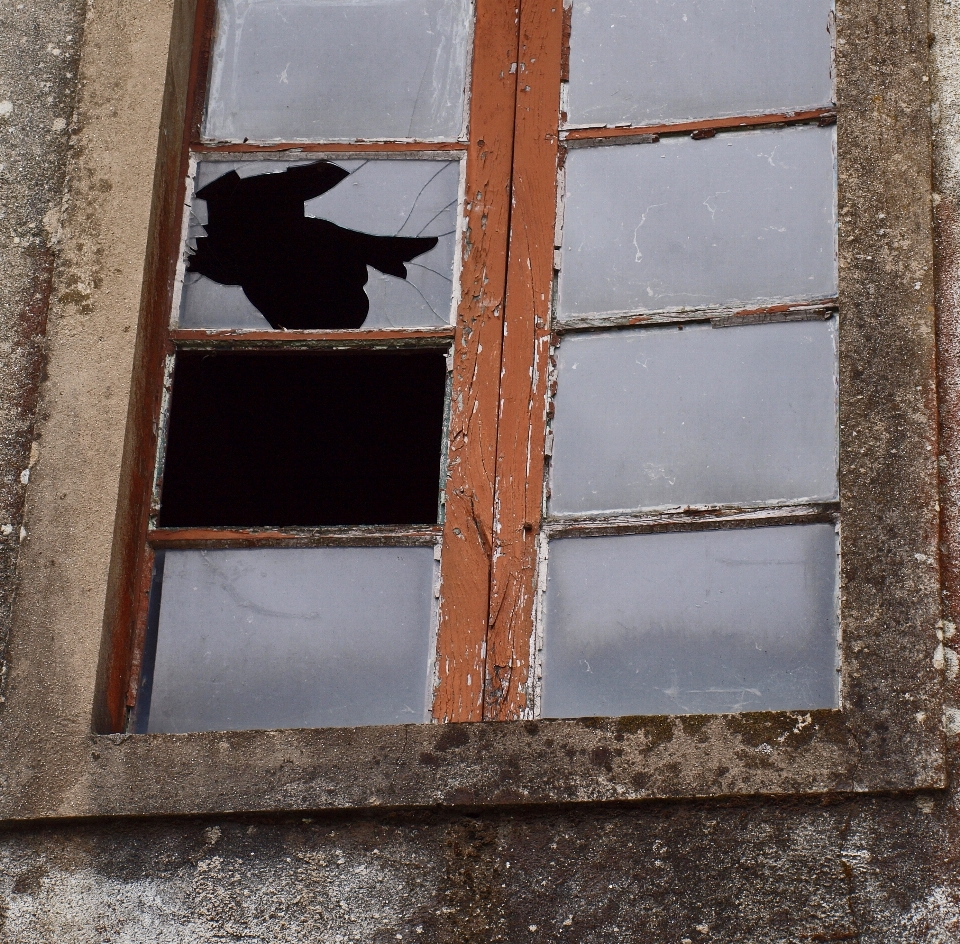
549, 526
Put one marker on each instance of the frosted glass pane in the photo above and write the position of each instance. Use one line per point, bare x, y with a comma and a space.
284, 638
413, 199
694, 622
659, 416
338, 70
738, 219
655, 61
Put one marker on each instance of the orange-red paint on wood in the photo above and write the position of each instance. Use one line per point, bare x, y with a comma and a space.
200, 337
131, 561
386, 536
468, 522
709, 124
522, 422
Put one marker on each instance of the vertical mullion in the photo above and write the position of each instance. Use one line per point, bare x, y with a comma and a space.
522, 420
468, 523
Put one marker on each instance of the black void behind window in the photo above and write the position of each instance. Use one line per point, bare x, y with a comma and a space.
304, 439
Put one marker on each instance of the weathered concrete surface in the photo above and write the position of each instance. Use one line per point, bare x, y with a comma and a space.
866, 870
39, 47
874, 871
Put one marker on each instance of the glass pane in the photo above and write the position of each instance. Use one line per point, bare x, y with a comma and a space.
692, 623
304, 439
745, 219
661, 416
285, 638
338, 70
264, 254
647, 62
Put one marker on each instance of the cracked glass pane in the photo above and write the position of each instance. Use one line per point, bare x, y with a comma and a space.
290, 638
321, 244
649, 62
692, 622
339, 70
742, 219
649, 417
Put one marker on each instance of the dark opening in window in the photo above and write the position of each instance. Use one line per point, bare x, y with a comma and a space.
304, 439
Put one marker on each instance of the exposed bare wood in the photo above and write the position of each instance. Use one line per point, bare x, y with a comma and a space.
374, 536
690, 518
719, 317
235, 338
468, 523
709, 124
524, 377
335, 147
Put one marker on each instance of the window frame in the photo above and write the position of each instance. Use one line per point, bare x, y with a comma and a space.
887, 734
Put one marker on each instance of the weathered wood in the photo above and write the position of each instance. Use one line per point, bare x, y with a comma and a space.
234, 338
521, 431
373, 536
690, 518
130, 559
468, 523
719, 317
201, 148
581, 134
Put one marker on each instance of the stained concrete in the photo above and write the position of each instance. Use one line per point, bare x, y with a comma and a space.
880, 869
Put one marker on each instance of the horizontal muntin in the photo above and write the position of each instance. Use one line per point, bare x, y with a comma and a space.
363, 536
340, 339
690, 518
580, 136
427, 148
814, 310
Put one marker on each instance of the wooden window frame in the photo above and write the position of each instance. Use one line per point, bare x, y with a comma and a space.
887, 734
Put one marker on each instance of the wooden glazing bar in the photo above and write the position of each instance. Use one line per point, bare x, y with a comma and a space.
824, 115
719, 317
374, 536
690, 518
523, 389
340, 147
468, 521
234, 338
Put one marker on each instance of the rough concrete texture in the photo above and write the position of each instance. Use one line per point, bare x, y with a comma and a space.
866, 870
873, 871
39, 46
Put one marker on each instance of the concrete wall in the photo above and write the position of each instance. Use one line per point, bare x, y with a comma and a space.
878, 869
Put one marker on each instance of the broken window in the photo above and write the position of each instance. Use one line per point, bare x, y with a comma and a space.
495, 373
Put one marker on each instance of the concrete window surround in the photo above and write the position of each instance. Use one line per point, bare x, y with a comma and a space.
886, 737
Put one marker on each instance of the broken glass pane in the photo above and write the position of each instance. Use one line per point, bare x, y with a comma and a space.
742, 219
692, 622
649, 417
339, 70
321, 244
648, 62
291, 638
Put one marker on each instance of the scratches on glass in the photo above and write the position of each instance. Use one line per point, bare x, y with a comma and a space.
321, 245
339, 70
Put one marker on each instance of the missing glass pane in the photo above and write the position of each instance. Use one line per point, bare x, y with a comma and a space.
288, 638
300, 439
321, 245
